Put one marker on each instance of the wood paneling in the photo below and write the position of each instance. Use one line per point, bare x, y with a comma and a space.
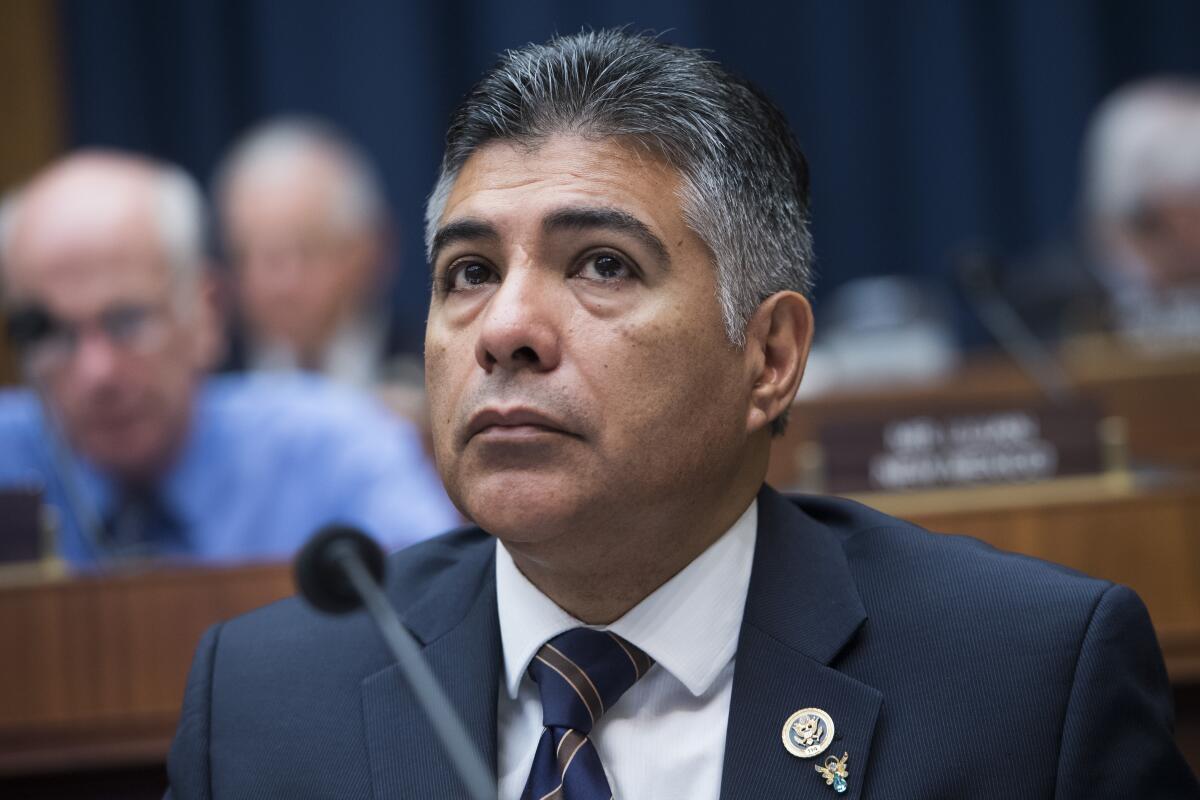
31, 105
31, 98
94, 668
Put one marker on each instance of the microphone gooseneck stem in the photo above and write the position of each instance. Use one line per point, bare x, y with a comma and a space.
1033, 357
449, 728
63, 469
1030, 354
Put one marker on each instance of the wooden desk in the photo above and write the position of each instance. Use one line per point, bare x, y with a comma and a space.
94, 668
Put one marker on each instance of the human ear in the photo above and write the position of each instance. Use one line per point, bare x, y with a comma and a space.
207, 339
778, 338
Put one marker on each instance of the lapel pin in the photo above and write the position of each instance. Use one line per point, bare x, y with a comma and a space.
834, 772
808, 732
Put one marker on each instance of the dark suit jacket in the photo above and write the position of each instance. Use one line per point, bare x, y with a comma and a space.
951, 670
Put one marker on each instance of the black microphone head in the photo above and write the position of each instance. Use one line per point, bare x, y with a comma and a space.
320, 578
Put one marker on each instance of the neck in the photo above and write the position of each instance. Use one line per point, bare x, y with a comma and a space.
602, 573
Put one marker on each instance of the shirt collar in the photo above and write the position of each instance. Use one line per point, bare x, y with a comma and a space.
689, 625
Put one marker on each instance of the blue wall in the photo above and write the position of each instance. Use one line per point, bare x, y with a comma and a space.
928, 124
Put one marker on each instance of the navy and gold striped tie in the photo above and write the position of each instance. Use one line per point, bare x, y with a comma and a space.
580, 674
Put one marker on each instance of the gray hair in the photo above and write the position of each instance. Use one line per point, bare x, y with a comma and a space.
744, 179
1142, 141
180, 215
182, 226
358, 200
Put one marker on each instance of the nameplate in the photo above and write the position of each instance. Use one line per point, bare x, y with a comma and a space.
963, 447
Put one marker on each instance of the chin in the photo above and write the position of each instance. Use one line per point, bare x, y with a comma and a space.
517, 509
128, 456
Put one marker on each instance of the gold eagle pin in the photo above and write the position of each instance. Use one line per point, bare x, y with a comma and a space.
808, 732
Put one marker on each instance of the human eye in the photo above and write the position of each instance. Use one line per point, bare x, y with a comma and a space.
31, 325
40, 335
126, 323
466, 274
605, 267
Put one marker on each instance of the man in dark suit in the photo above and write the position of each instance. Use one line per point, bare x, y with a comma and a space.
619, 248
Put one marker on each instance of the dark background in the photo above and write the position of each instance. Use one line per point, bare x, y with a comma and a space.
928, 124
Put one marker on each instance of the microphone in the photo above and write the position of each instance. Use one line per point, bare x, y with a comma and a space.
977, 276
340, 569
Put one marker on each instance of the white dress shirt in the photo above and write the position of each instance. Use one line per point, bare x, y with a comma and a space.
665, 738
351, 356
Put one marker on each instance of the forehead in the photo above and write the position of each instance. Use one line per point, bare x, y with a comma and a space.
512, 184
283, 192
75, 250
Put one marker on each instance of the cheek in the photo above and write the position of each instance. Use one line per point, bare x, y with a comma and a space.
66, 399
668, 384
257, 284
348, 279
670, 361
331, 287
436, 360
170, 376
442, 389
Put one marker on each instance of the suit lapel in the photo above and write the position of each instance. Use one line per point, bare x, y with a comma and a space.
461, 637
802, 610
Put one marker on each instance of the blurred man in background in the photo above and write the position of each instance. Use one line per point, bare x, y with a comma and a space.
111, 308
1130, 274
1142, 164
304, 224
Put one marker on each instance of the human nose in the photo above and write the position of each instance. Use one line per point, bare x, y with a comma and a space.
96, 358
278, 272
520, 327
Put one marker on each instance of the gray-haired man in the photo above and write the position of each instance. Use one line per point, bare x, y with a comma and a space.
305, 226
107, 296
619, 250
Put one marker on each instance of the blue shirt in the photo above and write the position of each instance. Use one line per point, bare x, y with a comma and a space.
268, 460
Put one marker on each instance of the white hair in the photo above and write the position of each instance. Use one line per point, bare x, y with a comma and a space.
1142, 142
275, 146
8, 212
182, 226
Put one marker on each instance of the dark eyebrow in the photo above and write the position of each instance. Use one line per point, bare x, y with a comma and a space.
468, 229
588, 217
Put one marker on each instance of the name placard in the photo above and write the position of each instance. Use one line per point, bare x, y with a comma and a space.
962, 447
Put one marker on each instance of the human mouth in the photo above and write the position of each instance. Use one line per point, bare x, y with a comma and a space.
514, 424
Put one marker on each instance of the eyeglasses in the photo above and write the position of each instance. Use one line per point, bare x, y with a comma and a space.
47, 343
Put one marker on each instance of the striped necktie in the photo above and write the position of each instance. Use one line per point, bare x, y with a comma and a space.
580, 674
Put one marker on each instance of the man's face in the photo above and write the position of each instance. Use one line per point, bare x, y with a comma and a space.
1169, 246
119, 362
577, 364
299, 274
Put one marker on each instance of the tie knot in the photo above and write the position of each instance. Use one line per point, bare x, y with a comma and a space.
582, 673
141, 524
